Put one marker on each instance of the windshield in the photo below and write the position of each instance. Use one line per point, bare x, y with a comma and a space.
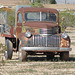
40, 16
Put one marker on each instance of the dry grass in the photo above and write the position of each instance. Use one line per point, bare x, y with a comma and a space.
61, 6
14, 2
33, 67
73, 43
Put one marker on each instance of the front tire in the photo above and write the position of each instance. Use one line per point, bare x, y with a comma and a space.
64, 56
8, 54
22, 55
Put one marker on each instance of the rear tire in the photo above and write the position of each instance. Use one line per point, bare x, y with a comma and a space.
64, 56
22, 55
8, 54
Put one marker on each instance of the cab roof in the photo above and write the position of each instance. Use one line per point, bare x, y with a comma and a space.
33, 9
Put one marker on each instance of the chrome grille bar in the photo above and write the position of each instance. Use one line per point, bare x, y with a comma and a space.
46, 41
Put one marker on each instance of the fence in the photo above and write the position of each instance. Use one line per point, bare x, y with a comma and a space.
3, 21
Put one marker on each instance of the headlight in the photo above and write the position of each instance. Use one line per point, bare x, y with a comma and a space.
28, 34
64, 35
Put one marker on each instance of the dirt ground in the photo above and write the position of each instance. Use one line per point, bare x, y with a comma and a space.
37, 65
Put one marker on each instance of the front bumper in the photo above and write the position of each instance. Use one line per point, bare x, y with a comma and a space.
45, 49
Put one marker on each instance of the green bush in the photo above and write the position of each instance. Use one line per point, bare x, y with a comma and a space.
69, 19
52, 1
11, 18
37, 4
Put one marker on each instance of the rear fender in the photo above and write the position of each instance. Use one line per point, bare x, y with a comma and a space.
15, 43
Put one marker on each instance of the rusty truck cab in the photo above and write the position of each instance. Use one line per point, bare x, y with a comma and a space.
40, 23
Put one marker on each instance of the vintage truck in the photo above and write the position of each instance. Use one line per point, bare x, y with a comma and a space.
37, 31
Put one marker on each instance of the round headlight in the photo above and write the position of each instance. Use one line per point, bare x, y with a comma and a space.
64, 35
28, 34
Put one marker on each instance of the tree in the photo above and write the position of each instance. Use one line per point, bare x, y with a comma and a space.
52, 1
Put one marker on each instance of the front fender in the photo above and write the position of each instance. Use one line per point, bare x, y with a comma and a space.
65, 42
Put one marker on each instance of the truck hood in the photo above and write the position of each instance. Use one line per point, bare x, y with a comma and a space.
40, 24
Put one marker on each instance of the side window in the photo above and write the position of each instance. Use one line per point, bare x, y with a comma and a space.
19, 18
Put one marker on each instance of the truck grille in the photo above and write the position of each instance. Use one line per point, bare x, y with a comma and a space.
46, 41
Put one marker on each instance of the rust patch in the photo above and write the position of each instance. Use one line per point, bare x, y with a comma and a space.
33, 30
64, 42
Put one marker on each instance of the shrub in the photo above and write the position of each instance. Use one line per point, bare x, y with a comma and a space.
37, 4
11, 18
69, 19
52, 1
